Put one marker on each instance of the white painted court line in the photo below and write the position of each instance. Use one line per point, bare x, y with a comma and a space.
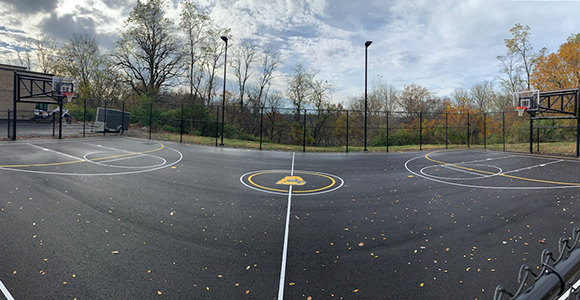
535, 166
286, 234
57, 152
5, 291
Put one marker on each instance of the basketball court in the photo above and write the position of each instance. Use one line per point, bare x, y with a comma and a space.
120, 218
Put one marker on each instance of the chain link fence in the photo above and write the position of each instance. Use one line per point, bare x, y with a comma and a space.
338, 130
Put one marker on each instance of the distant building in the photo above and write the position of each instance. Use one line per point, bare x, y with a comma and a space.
25, 110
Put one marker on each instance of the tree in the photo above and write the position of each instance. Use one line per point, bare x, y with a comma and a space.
242, 59
194, 24
415, 99
24, 54
461, 98
149, 51
321, 99
482, 95
269, 63
385, 94
300, 86
81, 58
521, 49
509, 66
559, 70
213, 49
46, 55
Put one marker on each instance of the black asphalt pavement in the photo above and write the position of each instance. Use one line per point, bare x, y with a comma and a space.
121, 218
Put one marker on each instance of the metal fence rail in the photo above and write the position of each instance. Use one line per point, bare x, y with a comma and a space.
558, 277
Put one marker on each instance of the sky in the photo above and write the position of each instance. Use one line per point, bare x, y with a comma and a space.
442, 45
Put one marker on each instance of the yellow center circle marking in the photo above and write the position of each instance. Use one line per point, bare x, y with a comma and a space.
293, 180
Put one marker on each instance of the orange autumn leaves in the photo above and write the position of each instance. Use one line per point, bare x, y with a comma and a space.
559, 70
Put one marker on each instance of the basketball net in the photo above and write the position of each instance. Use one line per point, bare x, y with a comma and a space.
69, 96
520, 110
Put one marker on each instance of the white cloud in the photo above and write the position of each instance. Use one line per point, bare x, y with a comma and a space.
439, 44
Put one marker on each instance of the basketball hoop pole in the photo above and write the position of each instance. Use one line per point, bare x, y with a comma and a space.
60, 117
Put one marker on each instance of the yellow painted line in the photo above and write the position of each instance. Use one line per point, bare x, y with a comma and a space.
333, 182
82, 161
503, 175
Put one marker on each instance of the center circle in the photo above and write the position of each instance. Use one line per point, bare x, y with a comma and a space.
302, 182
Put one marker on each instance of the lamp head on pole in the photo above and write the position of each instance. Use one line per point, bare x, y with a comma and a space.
368, 43
225, 38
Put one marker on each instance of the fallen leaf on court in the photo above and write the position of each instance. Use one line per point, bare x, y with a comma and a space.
64, 282
172, 213
237, 284
14, 272
292, 283
148, 271
248, 267
114, 252
355, 291
219, 276
504, 242
159, 292
422, 284
247, 292
74, 275
207, 288
361, 244
309, 298
543, 241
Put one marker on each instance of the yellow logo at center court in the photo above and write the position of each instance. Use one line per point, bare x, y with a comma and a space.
292, 180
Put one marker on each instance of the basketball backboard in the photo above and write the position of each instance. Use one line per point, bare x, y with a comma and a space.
64, 87
528, 99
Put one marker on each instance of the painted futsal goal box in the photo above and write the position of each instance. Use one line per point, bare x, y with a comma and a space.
112, 120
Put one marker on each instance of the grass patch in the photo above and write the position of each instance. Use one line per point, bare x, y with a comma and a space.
555, 148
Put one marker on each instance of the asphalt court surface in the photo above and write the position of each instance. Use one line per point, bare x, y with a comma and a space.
120, 218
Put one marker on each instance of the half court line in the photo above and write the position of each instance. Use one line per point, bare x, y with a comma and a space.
286, 234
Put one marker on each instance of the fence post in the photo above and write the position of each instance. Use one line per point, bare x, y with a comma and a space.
347, 131
8, 122
304, 133
261, 125
217, 124
388, 131
84, 116
538, 139
446, 129
150, 118
105, 119
503, 128
468, 129
181, 126
123, 118
421, 131
531, 134
484, 131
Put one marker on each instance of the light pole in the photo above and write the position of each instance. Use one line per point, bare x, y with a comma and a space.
225, 39
367, 44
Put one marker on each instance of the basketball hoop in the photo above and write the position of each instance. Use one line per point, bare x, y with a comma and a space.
69, 96
520, 110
